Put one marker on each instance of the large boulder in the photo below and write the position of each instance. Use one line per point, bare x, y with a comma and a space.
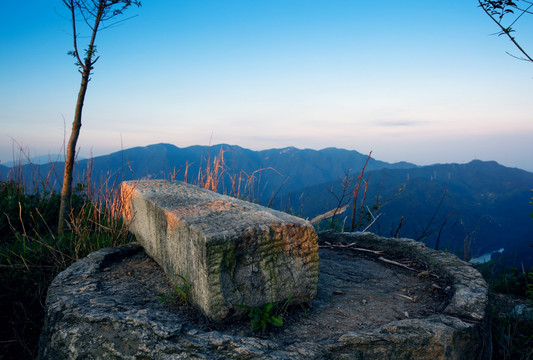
231, 253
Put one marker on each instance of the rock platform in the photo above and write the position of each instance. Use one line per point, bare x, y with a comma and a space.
401, 301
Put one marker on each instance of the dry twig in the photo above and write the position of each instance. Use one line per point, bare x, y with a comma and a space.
411, 298
351, 246
395, 263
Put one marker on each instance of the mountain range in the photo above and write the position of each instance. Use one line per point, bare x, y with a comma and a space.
470, 209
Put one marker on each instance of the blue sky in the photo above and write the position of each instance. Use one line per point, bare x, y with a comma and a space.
420, 81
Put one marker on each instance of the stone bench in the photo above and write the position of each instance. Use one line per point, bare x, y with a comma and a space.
231, 252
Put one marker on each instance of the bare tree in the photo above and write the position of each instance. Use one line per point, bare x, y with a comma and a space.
94, 15
356, 192
341, 204
506, 13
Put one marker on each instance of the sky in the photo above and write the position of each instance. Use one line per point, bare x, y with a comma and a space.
419, 81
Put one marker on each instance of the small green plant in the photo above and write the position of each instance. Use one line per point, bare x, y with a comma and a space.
305, 309
164, 298
260, 317
284, 308
182, 291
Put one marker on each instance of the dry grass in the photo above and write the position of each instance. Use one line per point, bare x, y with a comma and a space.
215, 175
32, 253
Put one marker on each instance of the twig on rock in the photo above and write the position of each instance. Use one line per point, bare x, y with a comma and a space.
395, 263
411, 298
351, 246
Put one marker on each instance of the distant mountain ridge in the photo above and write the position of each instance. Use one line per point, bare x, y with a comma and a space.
478, 207
42, 159
287, 169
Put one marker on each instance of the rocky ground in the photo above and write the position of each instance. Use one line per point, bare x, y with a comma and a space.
370, 304
357, 290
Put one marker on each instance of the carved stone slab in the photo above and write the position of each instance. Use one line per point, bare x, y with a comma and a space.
231, 252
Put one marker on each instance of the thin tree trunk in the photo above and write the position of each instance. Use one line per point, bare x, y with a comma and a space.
66, 191
85, 68
101, 10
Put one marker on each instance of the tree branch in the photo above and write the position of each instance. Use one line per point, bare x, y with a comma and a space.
504, 30
70, 5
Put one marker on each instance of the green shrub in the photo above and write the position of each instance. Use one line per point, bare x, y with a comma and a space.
260, 317
504, 279
31, 254
512, 330
511, 321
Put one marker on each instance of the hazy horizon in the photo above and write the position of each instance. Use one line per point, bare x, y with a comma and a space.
422, 82
26, 157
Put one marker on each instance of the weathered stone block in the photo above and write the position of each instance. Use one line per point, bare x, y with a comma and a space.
232, 252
